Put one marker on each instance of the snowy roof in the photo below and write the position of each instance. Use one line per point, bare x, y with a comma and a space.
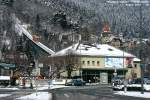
136, 59
93, 50
23, 30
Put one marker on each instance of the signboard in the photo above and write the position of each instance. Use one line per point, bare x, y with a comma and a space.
118, 62
7, 66
114, 62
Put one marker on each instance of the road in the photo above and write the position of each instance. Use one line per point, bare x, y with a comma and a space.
72, 93
89, 93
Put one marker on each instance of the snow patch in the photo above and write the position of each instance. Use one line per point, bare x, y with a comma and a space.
57, 86
37, 96
134, 94
4, 95
51, 87
6, 88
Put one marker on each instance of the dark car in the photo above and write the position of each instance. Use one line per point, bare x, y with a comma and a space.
138, 81
147, 80
79, 82
76, 82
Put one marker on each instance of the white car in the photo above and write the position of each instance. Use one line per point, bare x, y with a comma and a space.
145, 86
118, 87
135, 84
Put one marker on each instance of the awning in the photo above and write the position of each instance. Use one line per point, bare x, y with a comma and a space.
7, 66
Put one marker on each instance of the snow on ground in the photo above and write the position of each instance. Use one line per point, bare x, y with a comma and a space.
38, 87
57, 86
37, 96
51, 87
7, 88
134, 94
4, 95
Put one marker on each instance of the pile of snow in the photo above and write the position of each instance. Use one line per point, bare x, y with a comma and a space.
4, 95
134, 94
37, 96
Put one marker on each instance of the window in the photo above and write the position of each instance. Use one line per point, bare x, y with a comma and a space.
135, 65
88, 62
93, 63
135, 75
98, 63
83, 62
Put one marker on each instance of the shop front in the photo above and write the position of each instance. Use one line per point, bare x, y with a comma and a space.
101, 76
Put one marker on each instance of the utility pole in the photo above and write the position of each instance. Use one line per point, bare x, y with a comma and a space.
140, 51
124, 73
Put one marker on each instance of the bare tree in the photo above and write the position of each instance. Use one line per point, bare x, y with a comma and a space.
72, 62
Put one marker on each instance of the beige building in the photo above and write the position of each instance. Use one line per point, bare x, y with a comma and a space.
98, 63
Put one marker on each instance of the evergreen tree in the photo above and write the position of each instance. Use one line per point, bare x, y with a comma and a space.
37, 23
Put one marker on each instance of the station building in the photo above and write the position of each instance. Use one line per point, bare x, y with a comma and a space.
98, 62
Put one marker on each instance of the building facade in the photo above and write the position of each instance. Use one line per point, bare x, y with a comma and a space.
100, 63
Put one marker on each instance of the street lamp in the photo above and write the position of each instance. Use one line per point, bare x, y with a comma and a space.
124, 73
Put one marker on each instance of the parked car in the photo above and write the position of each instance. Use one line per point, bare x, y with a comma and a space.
138, 81
69, 82
135, 85
147, 80
117, 81
58, 81
75, 82
79, 82
4, 80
